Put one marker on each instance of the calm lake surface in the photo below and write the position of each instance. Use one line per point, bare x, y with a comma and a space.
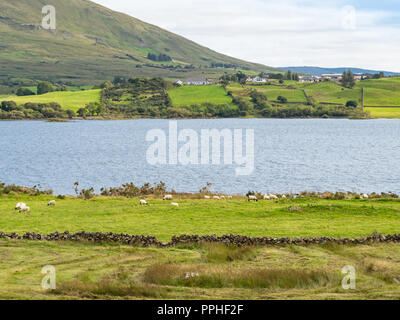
290, 155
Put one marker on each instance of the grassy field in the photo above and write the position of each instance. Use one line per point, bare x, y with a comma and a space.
112, 271
346, 218
191, 95
72, 100
109, 271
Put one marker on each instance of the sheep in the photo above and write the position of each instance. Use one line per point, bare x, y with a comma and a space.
364, 196
252, 198
167, 197
52, 203
267, 197
143, 203
20, 205
222, 197
283, 196
207, 197
216, 198
174, 204
25, 209
273, 197
230, 197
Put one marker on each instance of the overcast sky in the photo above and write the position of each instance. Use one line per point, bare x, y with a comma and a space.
327, 33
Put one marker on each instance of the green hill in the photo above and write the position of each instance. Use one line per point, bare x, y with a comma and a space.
93, 43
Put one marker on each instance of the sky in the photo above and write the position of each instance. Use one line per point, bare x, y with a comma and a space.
324, 33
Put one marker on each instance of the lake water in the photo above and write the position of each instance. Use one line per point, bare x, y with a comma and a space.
290, 155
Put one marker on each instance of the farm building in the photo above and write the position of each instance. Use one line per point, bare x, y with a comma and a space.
197, 82
259, 80
309, 79
179, 83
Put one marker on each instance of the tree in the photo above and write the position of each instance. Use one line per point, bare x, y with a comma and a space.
44, 87
25, 92
282, 99
348, 80
351, 104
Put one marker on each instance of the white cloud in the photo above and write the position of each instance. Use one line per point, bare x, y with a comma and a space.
277, 33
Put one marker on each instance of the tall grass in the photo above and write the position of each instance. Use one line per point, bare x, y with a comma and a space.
223, 253
117, 284
227, 277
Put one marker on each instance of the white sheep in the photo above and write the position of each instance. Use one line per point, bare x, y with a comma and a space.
273, 197
267, 197
19, 205
207, 197
25, 209
230, 197
52, 203
174, 204
253, 198
167, 197
365, 196
216, 198
283, 196
143, 203
222, 197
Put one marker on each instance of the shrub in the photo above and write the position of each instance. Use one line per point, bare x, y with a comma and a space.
351, 104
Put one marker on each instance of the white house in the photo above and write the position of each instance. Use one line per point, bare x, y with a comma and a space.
179, 83
197, 82
259, 80
309, 78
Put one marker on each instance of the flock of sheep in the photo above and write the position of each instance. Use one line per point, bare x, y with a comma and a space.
169, 197
22, 207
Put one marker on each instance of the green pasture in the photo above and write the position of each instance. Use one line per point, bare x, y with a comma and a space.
72, 100
317, 217
196, 95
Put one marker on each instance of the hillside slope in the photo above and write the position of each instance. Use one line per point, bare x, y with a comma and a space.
92, 42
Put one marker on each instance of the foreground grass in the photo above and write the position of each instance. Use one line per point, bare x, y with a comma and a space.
72, 100
316, 217
109, 271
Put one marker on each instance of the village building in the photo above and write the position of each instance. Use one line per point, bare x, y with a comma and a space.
197, 82
259, 80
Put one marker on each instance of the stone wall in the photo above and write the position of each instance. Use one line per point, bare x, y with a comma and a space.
236, 240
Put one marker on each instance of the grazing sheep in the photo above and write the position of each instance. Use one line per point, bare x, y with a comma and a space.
52, 203
207, 197
174, 204
20, 205
167, 197
253, 198
222, 197
25, 209
216, 198
143, 203
283, 196
365, 196
273, 197
267, 197
230, 197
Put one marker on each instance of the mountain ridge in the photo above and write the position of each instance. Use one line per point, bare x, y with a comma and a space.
93, 42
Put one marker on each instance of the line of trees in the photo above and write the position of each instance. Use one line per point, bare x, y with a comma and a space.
161, 57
